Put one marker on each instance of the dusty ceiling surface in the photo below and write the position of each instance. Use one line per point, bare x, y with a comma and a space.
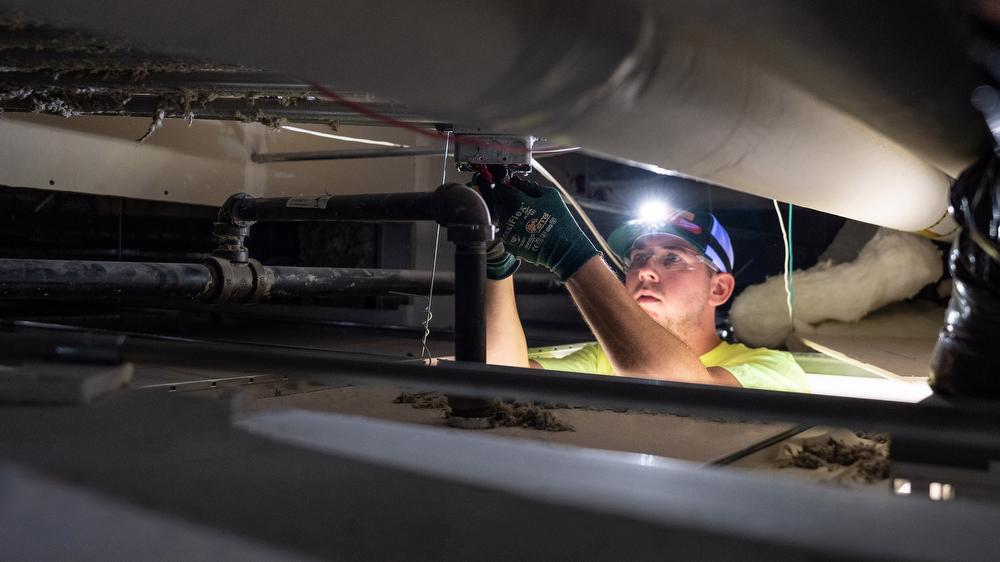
57, 70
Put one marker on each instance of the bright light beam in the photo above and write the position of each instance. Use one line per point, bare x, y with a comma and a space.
343, 138
653, 211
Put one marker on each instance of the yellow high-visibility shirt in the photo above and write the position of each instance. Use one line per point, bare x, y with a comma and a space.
760, 367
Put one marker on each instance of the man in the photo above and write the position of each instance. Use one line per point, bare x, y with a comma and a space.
659, 325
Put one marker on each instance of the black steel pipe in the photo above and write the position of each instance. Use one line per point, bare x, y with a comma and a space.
23, 278
974, 425
56, 278
470, 322
292, 282
456, 207
470, 299
467, 217
351, 208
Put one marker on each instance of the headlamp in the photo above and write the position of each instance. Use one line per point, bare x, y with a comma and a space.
653, 211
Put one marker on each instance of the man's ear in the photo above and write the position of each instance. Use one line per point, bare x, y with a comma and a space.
721, 289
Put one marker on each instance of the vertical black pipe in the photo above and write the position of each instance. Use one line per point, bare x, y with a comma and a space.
470, 300
465, 214
121, 213
470, 321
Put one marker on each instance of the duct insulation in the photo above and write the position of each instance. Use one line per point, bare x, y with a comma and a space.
657, 85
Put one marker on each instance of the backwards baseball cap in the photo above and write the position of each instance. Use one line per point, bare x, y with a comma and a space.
701, 230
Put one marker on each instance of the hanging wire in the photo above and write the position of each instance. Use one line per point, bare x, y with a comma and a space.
611, 256
791, 268
784, 241
424, 352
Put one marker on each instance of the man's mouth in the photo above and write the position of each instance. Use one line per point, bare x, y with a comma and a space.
645, 298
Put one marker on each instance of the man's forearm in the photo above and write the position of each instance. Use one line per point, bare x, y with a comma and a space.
505, 342
635, 344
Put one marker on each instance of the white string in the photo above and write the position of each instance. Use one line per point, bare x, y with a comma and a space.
608, 254
424, 352
342, 137
784, 240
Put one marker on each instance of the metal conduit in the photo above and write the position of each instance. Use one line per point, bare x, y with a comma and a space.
359, 153
344, 154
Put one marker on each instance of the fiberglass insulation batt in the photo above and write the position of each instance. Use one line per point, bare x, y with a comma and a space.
892, 266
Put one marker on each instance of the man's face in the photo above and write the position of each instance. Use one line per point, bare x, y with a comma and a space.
671, 281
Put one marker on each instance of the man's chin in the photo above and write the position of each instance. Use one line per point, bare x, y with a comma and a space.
652, 308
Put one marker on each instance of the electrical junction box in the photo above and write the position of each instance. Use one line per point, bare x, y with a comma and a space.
513, 151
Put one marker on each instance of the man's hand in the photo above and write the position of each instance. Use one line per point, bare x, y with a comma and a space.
500, 264
536, 226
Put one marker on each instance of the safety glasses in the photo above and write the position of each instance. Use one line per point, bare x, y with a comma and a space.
669, 258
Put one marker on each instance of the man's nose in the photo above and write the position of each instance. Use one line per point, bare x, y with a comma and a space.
647, 272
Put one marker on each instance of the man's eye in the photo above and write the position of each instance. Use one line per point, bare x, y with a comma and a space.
672, 258
639, 258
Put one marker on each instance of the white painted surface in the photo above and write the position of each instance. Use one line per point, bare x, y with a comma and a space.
873, 388
202, 164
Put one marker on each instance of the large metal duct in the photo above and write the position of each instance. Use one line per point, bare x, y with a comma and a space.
854, 108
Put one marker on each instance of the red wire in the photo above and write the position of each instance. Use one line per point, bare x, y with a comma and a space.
485, 172
458, 139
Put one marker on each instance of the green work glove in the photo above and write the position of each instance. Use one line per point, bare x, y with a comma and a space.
536, 226
500, 264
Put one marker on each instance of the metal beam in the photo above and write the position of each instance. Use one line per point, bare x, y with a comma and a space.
266, 110
346, 154
351, 154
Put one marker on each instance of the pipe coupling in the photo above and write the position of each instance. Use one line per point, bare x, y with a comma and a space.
242, 283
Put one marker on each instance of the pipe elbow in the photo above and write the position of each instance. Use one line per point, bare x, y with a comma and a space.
463, 212
228, 212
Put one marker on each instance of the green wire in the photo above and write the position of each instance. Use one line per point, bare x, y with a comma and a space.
791, 262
